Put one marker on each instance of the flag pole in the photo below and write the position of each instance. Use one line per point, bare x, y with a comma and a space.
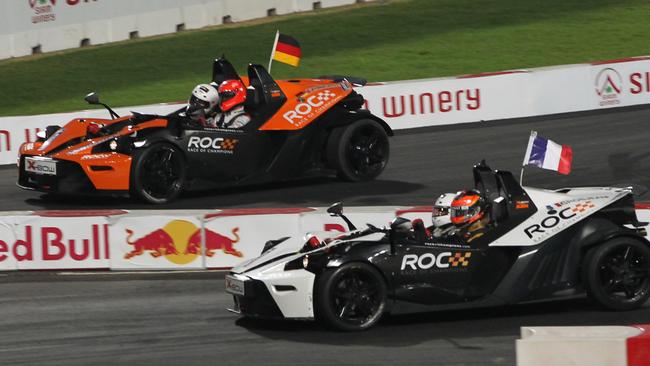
275, 43
533, 134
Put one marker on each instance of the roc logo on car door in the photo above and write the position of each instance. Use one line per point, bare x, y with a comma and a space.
215, 145
441, 261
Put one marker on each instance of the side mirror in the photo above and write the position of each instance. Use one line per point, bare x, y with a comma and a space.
335, 209
401, 225
92, 98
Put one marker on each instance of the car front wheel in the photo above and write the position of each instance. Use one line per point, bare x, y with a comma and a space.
351, 297
158, 174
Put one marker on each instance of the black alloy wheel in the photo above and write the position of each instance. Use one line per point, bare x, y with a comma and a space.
618, 273
351, 297
359, 151
158, 174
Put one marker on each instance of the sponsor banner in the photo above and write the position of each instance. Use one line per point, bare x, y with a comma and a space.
230, 240
33, 242
618, 84
7, 244
199, 240
435, 102
156, 242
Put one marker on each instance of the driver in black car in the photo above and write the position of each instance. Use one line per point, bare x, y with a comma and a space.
468, 213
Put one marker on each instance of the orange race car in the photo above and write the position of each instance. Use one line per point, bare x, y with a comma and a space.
297, 128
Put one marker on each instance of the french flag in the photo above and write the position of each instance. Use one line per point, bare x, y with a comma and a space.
546, 154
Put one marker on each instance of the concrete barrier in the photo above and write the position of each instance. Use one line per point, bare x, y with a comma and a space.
584, 346
43, 26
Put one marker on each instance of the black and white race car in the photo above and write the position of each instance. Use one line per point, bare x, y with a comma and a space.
540, 245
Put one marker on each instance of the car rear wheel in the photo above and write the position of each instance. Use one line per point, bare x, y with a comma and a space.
351, 297
358, 151
617, 273
158, 174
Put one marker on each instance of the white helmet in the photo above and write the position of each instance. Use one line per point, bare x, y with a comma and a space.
205, 97
440, 213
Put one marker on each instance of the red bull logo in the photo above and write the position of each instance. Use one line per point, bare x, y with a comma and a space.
180, 242
214, 241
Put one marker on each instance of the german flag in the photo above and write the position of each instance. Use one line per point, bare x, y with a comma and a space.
286, 50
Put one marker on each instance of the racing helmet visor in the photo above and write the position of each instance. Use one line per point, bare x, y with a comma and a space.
198, 103
440, 211
464, 214
227, 94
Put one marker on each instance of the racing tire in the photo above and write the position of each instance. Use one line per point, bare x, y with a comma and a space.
617, 273
351, 297
158, 174
358, 151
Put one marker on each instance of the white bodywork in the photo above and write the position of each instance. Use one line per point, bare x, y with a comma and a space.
558, 211
296, 303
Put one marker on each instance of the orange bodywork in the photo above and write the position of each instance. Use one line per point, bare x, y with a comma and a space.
307, 99
116, 171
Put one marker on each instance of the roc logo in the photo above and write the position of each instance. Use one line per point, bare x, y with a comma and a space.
582, 207
180, 242
608, 87
460, 259
551, 223
208, 144
309, 107
441, 261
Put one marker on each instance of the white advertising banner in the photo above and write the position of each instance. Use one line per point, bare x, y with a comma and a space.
54, 242
147, 240
230, 240
436, 102
7, 245
156, 241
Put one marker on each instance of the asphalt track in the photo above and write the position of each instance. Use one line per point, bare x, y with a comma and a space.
179, 318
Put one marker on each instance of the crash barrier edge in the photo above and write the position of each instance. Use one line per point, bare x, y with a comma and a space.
440, 101
170, 240
584, 345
